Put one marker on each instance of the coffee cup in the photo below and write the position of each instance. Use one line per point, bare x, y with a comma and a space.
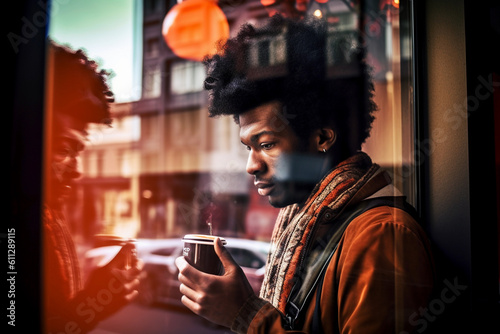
117, 243
199, 251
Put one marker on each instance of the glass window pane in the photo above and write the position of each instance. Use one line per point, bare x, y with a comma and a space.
187, 77
164, 168
152, 82
388, 34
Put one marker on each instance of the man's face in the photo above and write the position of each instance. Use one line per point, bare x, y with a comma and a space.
65, 164
268, 137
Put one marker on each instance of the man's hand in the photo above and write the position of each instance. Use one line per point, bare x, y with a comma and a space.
116, 283
216, 298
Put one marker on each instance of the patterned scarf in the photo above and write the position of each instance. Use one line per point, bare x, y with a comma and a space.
294, 224
61, 268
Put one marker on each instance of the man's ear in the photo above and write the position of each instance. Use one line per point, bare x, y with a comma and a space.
323, 139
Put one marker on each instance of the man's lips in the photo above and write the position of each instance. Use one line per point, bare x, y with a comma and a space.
264, 188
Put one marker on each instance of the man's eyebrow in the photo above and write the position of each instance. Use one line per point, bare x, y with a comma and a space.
254, 138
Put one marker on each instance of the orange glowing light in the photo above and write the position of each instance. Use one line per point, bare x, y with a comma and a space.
322, 1
395, 3
192, 28
301, 5
267, 2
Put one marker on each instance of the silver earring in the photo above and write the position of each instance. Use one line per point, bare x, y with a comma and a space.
324, 150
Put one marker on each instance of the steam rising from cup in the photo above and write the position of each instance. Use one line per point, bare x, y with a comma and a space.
209, 220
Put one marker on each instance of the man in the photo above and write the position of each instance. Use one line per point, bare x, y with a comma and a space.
339, 263
77, 94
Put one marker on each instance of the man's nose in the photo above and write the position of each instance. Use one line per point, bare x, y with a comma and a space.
73, 166
255, 165
78, 165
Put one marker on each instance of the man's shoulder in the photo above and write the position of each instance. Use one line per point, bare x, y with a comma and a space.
389, 218
384, 227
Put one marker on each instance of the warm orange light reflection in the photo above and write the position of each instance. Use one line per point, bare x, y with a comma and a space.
267, 2
193, 27
301, 5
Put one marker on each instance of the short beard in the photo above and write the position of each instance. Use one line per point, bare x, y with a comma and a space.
291, 193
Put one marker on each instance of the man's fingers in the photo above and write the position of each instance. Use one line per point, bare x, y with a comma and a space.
187, 273
190, 298
126, 256
188, 292
224, 256
135, 271
139, 265
131, 296
133, 285
126, 280
190, 304
180, 262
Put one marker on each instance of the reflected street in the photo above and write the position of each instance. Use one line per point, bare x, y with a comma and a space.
160, 319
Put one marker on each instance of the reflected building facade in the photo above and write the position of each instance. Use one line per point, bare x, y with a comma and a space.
165, 168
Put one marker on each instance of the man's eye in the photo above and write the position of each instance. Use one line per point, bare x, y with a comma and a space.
63, 151
267, 146
247, 148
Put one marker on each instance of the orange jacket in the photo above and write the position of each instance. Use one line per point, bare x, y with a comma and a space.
378, 281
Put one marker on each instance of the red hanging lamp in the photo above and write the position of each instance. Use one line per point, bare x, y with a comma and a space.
192, 28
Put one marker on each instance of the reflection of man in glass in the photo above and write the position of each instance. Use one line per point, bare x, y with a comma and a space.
347, 255
77, 95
